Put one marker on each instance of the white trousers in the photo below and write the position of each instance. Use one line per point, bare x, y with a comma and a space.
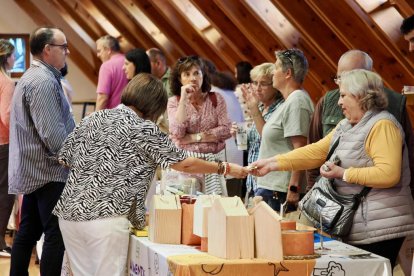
97, 247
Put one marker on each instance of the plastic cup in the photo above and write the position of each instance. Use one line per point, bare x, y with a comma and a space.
408, 89
241, 136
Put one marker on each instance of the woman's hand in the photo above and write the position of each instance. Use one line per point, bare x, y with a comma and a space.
263, 166
250, 98
186, 91
330, 170
238, 171
233, 129
292, 198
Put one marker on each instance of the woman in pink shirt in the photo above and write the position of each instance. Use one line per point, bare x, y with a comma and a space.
6, 94
198, 119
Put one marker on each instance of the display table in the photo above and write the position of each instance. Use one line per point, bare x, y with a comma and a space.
148, 258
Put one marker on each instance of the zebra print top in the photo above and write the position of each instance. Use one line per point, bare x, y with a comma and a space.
112, 154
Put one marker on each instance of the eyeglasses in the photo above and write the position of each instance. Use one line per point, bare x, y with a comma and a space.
187, 59
262, 84
64, 46
337, 79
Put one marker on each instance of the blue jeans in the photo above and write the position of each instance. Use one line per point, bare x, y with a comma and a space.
37, 218
274, 199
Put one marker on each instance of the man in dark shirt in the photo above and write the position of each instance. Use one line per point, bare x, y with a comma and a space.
327, 112
407, 29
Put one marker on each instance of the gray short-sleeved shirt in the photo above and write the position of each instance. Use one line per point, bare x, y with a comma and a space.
292, 118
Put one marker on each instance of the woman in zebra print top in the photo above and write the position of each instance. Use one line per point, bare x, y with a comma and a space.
113, 155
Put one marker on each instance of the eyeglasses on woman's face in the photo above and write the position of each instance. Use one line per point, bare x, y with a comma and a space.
262, 84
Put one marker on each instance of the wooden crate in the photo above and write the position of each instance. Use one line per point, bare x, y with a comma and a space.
201, 209
267, 232
230, 230
165, 219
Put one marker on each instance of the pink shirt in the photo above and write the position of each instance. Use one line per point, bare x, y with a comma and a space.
112, 80
209, 119
6, 95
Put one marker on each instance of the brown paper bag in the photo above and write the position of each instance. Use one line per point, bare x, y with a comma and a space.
187, 236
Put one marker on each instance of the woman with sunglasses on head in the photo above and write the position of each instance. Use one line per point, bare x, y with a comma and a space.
6, 94
286, 129
198, 119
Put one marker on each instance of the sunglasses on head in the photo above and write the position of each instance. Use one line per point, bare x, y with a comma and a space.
187, 59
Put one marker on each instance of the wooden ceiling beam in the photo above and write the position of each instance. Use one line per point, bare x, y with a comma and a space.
122, 22
356, 33
405, 7
320, 45
229, 31
174, 25
42, 20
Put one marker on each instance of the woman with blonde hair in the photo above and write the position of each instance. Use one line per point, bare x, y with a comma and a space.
6, 95
372, 153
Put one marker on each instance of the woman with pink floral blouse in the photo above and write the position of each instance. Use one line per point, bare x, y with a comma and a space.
198, 119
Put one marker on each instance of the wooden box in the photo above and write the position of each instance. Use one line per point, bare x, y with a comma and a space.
201, 209
165, 219
230, 230
268, 233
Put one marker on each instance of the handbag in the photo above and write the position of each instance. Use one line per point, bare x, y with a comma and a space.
323, 204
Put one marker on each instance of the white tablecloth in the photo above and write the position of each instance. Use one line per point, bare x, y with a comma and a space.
148, 258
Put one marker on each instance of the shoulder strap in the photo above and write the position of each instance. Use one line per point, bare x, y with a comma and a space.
213, 98
332, 149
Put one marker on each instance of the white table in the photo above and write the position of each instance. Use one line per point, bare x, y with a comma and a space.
148, 258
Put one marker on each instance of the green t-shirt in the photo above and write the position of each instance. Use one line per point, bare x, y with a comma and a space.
292, 118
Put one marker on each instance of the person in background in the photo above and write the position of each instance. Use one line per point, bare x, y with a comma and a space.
372, 153
328, 113
159, 68
286, 129
40, 121
112, 79
407, 29
224, 84
67, 88
136, 61
263, 100
113, 155
242, 72
6, 95
198, 118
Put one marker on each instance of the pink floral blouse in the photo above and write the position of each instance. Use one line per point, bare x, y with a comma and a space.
209, 119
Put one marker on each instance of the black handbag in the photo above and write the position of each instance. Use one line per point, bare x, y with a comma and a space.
337, 211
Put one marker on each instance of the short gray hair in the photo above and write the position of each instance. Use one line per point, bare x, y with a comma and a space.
110, 42
295, 60
264, 69
367, 86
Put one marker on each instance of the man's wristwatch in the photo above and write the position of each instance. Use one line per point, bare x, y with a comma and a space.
293, 189
198, 137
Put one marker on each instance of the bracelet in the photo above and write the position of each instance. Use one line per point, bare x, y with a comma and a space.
221, 168
225, 168
227, 171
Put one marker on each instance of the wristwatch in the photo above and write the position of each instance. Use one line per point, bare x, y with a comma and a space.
293, 189
198, 137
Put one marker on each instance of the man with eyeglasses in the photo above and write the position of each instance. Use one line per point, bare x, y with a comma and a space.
407, 29
40, 121
328, 113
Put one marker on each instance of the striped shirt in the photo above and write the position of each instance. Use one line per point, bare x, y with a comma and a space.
254, 140
40, 121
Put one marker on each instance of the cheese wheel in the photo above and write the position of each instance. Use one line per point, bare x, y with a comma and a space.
288, 225
297, 242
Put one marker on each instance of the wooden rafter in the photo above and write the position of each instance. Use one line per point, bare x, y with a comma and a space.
42, 20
